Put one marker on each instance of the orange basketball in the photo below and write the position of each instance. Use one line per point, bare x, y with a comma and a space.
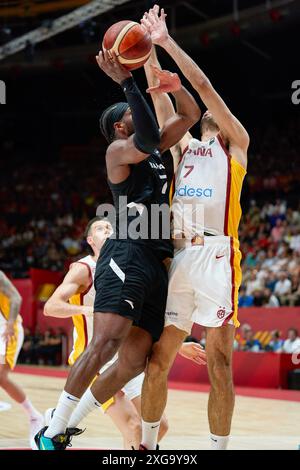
130, 42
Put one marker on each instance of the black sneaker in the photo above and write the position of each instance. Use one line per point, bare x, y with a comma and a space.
145, 448
74, 432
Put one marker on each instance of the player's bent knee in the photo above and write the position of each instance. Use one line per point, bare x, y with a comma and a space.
220, 372
131, 369
134, 425
157, 368
103, 349
132, 364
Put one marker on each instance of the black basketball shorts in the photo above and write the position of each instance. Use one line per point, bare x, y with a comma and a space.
132, 281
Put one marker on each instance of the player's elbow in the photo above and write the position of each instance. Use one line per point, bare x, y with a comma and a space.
18, 301
191, 118
195, 114
48, 308
246, 139
148, 143
242, 139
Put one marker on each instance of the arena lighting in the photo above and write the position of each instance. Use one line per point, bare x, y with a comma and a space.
59, 25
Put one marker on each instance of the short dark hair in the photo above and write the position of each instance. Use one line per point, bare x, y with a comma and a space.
90, 223
109, 117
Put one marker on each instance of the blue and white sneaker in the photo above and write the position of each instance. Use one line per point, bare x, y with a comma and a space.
58, 442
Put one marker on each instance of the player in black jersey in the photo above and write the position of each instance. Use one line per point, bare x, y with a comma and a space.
131, 279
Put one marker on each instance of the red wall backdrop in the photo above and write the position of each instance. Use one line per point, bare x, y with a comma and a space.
40, 283
267, 370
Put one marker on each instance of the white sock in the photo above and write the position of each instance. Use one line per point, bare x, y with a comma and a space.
63, 411
30, 409
219, 442
150, 434
87, 404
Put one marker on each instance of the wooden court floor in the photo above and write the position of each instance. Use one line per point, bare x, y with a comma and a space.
258, 423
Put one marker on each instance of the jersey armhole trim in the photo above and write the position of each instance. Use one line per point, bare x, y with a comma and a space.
90, 276
222, 143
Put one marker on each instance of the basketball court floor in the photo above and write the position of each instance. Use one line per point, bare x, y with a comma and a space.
263, 419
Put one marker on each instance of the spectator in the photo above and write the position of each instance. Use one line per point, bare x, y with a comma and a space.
277, 231
271, 281
292, 343
258, 298
295, 240
253, 284
293, 298
276, 343
251, 344
270, 260
282, 287
37, 338
25, 355
245, 300
270, 299
50, 348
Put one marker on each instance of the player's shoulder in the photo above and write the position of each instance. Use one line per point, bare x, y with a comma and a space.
115, 147
3, 278
80, 268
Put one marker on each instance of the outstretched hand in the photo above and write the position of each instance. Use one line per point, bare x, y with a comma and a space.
109, 63
168, 82
194, 352
155, 24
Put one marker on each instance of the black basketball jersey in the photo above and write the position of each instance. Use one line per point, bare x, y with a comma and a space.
138, 201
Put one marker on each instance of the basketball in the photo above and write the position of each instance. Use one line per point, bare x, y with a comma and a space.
131, 43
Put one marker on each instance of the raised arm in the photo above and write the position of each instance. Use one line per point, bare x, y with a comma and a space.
164, 108
15, 300
230, 127
145, 138
187, 114
76, 281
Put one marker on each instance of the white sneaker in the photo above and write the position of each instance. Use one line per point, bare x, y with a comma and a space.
36, 423
48, 415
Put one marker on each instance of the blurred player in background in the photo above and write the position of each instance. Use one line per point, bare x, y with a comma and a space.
11, 340
75, 298
205, 273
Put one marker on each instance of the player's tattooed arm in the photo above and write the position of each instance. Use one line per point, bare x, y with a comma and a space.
15, 300
76, 281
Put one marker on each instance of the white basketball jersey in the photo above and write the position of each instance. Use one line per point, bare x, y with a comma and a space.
208, 183
83, 324
88, 298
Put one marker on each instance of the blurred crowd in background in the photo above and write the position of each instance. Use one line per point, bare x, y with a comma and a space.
247, 339
48, 348
44, 216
